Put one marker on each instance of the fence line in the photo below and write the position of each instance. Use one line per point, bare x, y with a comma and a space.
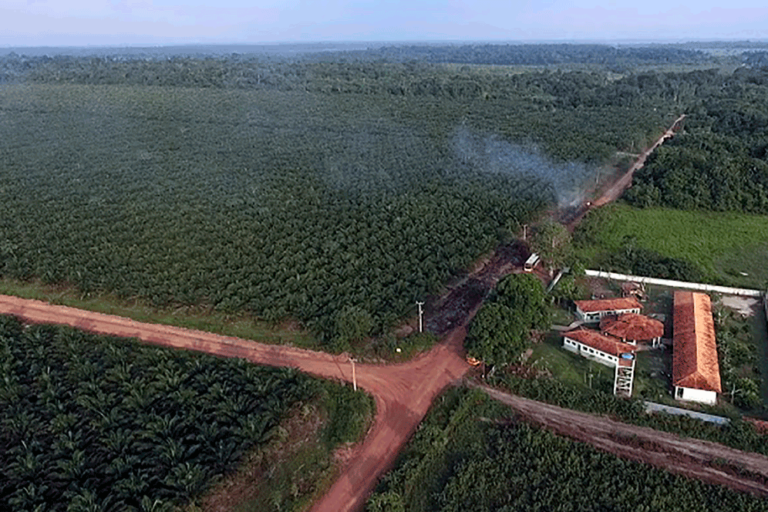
654, 407
765, 305
678, 284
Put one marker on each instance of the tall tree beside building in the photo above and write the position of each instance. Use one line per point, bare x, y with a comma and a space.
501, 330
552, 241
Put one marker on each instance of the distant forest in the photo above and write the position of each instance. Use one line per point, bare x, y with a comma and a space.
490, 54
720, 161
534, 54
337, 190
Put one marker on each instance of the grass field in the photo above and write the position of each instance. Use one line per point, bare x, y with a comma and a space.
724, 245
570, 368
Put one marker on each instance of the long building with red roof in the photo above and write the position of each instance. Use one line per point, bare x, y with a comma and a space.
595, 310
695, 368
598, 347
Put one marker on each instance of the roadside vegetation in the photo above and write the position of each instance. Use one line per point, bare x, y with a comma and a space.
202, 317
89, 422
471, 453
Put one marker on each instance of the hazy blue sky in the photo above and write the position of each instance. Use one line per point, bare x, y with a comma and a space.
94, 22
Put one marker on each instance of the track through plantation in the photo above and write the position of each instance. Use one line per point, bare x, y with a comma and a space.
403, 395
404, 392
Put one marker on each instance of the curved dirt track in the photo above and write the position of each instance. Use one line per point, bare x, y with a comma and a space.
706, 461
618, 187
403, 392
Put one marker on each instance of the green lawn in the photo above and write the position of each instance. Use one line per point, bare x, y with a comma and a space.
653, 379
560, 316
723, 244
570, 368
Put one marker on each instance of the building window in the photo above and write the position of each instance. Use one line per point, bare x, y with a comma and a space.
679, 393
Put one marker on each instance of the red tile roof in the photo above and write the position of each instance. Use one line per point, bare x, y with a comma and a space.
599, 341
631, 326
694, 356
591, 306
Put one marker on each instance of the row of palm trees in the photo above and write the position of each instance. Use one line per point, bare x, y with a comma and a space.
280, 203
471, 453
88, 422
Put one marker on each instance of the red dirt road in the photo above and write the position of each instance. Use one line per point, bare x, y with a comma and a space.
403, 392
710, 462
617, 188
403, 395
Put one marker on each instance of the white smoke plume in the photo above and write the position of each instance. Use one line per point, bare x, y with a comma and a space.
490, 154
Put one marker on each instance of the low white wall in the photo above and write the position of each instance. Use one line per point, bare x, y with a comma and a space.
698, 395
654, 407
676, 284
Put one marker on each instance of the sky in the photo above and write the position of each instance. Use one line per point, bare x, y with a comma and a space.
161, 22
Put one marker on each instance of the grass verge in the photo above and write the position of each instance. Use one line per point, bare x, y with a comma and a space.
200, 318
302, 462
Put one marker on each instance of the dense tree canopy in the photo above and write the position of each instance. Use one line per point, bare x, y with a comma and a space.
500, 331
291, 189
552, 241
719, 162
93, 423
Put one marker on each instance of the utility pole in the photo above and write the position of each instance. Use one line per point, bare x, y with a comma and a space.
354, 376
421, 316
525, 231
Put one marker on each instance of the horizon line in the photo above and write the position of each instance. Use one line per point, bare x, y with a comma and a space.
606, 41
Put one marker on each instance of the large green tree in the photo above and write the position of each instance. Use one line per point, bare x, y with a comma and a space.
552, 241
525, 296
501, 330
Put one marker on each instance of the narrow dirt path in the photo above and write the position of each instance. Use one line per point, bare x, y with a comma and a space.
403, 392
616, 189
703, 460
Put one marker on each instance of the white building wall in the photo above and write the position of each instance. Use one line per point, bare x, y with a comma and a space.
589, 352
596, 316
696, 395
